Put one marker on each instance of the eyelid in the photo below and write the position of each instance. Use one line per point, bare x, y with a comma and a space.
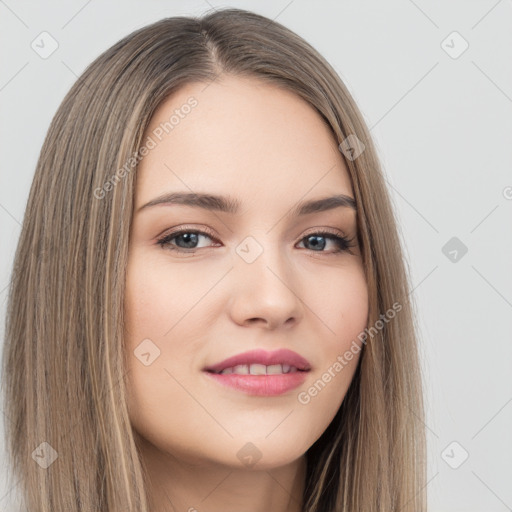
333, 231
185, 227
211, 234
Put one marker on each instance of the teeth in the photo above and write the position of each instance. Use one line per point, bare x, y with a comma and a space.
260, 369
274, 369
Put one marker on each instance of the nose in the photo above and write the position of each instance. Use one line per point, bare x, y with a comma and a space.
265, 291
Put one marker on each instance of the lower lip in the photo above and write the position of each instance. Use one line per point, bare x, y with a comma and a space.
261, 385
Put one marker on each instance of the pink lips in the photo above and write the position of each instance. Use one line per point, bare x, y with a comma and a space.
261, 385
282, 356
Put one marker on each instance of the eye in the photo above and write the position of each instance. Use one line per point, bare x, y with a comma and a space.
317, 242
186, 241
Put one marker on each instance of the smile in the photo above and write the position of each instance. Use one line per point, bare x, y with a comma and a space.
259, 369
261, 373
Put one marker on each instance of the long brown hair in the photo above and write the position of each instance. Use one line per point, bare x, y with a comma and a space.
64, 366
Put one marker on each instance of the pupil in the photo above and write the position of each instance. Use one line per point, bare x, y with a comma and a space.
316, 243
192, 236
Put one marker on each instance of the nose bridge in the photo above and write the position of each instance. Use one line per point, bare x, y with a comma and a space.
260, 252
267, 284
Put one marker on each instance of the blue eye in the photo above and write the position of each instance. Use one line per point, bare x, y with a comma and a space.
186, 240
315, 241
189, 238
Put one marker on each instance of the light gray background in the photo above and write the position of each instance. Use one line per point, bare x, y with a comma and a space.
442, 127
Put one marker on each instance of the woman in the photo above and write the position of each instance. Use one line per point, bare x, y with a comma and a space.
209, 308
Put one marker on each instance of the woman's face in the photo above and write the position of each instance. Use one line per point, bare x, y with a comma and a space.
254, 279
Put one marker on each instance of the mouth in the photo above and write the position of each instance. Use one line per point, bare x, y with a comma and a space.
261, 373
258, 369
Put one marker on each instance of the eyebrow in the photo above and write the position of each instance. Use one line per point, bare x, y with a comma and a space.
230, 205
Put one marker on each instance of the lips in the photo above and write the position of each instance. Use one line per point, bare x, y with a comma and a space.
288, 359
261, 373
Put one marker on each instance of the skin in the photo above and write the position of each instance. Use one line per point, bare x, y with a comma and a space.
269, 149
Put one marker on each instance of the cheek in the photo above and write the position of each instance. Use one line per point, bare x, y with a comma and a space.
342, 309
155, 301
156, 297
339, 301
164, 326
345, 319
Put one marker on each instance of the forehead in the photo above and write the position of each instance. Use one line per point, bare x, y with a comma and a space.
253, 139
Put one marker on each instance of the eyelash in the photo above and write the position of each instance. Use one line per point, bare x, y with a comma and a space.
343, 242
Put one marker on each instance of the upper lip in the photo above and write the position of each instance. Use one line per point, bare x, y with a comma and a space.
281, 356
